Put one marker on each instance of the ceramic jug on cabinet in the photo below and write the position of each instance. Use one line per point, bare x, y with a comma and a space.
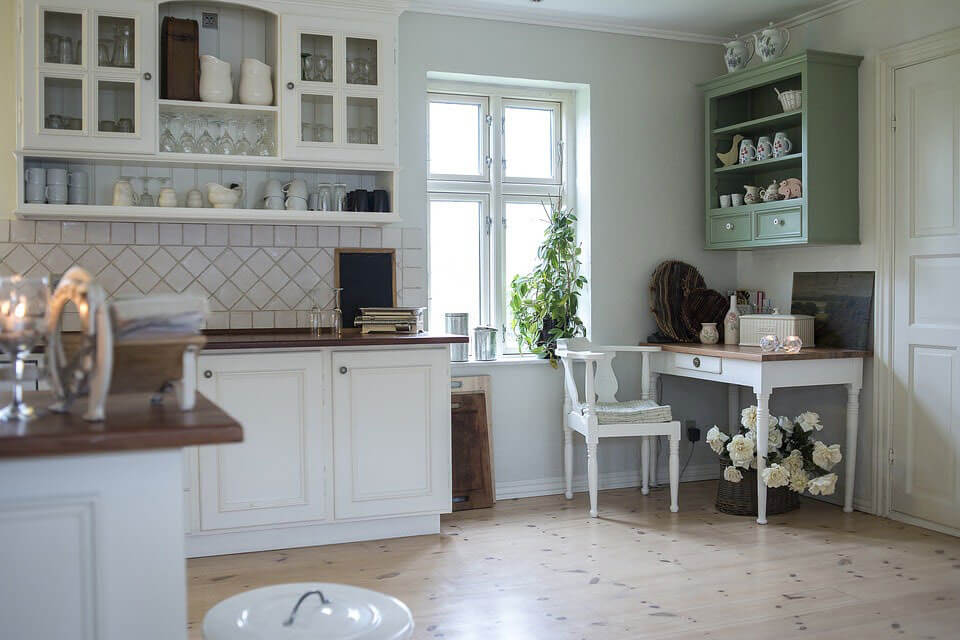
752, 194
781, 145
771, 42
764, 148
215, 83
738, 53
255, 84
748, 152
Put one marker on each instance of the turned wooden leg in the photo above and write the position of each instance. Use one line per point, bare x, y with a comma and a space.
568, 461
654, 454
674, 472
644, 464
593, 479
733, 408
853, 424
763, 432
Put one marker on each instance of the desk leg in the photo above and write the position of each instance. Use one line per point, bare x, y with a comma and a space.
733, 408
853, 423
644, 464
763, 432
654, 440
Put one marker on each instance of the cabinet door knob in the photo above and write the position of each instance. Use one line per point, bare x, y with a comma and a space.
208, 374
290, 86
148, 76
343, 370
728, 226
776, 221
696, 362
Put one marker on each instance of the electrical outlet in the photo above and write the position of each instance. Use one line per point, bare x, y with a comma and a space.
210, 20
693, 433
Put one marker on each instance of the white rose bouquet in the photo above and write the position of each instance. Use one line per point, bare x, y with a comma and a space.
795, 458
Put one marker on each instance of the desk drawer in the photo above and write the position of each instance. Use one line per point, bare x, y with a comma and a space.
709, 364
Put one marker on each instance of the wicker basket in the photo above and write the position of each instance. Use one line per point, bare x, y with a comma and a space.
740, 498
790, 100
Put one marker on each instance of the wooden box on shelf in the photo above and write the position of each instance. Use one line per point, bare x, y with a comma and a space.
823, 152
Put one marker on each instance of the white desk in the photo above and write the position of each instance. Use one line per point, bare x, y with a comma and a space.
764, 372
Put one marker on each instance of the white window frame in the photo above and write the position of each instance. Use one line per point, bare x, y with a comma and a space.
497, 189
556, 139
484, 123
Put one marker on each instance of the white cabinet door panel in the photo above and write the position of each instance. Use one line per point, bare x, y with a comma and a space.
391, 416
276, 474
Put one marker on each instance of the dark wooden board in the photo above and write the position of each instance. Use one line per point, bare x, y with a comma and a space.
841, 303
472, 478
368, 279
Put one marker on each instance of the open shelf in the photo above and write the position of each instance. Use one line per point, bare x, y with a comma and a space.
109, 213
763, 124
786, 162
758, 207
198, 105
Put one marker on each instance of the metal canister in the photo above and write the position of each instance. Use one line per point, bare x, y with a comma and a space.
458, 325
484, 343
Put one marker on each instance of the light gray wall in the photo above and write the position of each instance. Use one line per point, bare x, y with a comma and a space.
863, 29
646, 202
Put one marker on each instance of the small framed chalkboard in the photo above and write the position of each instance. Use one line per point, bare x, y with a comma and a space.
368, 279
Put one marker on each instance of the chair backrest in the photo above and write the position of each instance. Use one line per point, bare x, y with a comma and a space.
601, 383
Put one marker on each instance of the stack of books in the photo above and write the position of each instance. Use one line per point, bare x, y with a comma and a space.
391, 319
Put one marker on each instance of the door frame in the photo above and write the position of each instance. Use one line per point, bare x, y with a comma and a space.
932, 47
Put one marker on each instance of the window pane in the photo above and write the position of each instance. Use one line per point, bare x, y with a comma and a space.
528, 142
526, 223
455, 138
454, 261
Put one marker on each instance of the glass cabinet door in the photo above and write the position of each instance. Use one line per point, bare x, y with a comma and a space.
363, 120
116, 43
62, 41
116, 107
317, 59
361, 61
317, 120
63, 105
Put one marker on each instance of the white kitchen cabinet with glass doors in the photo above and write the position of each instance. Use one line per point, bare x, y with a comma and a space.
89, 76
339, 90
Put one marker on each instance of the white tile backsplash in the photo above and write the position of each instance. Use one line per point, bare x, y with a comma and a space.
258, 276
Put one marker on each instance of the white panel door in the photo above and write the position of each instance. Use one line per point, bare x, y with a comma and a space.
926, 359
391, 426
277, 473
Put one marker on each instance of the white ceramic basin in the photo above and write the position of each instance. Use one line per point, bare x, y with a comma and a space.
349, 613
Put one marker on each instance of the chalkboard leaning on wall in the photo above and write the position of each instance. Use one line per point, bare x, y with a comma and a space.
368, 279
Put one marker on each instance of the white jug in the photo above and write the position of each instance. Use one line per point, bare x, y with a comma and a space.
255, 84
215, 83
738, 53
123, 194
771, 42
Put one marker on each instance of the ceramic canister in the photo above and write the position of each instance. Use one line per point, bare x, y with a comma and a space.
255, 85
215, 83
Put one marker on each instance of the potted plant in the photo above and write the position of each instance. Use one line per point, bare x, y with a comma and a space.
544, 302
796, 462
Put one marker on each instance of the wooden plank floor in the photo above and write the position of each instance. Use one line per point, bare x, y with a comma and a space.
540, 568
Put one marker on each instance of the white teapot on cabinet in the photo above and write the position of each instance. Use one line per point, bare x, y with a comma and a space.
215, 82
738, 53
771, 42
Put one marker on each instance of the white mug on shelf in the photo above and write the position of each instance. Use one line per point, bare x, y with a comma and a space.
36, 193
296, 188
78, 195
724, 201
77, 179
273, 202
295, 203
57, 176
272, 188
736, 199
56, 193
35, 175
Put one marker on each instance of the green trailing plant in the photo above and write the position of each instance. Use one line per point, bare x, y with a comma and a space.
544, 302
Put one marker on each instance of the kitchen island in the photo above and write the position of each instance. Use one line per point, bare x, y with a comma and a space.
91, 518
346, 438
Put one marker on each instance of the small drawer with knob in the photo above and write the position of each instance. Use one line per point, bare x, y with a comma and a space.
730, 229
708, 364
780, 223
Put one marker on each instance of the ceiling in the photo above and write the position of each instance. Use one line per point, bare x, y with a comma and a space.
699, 20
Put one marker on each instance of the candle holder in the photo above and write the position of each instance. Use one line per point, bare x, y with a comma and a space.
792, 344
23, 324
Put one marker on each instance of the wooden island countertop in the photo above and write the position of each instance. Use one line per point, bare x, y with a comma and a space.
302, 338
132, 423
755, 354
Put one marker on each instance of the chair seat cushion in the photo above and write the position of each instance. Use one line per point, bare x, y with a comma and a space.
632, 412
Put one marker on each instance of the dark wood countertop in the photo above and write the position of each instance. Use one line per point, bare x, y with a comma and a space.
302, 338
755, 354
132, 423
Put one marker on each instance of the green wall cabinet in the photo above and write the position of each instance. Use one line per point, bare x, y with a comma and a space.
824, 154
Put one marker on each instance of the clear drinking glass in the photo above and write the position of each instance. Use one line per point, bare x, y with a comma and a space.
188, 143
168, 144
123, 46
244, 148
326, 197
265, 144
205, 142
340, 197
23, 323
225, 144
306, 67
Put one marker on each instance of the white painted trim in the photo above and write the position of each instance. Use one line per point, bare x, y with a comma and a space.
815, 14
926, 524
932, 47
215, 543
609, 480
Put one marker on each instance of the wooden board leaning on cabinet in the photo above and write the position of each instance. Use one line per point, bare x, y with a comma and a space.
474, 486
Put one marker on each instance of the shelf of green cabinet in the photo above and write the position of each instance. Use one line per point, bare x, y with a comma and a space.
792, 161
790, 118
757, 207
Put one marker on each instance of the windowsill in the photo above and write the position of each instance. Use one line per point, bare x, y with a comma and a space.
510, 360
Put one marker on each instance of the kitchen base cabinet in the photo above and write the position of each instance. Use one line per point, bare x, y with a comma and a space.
339, 445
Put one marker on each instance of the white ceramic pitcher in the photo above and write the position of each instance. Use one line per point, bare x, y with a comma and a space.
771, 42
737, 54
215, 83
255, 85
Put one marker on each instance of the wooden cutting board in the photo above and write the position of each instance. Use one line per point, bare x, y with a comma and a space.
473, 484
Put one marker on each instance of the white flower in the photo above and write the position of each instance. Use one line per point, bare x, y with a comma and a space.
775, 476
732, 474
808, 421
798, 480
793, 462
748, 417
774, 438
716, 438
824, 485
786, 424
826, 457
741, 451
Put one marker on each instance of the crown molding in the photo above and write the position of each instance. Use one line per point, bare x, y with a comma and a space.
588, 22
548, 19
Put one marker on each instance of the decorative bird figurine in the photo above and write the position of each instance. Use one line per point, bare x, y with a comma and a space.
731, 157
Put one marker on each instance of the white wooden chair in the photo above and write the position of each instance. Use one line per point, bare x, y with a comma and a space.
600, 415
